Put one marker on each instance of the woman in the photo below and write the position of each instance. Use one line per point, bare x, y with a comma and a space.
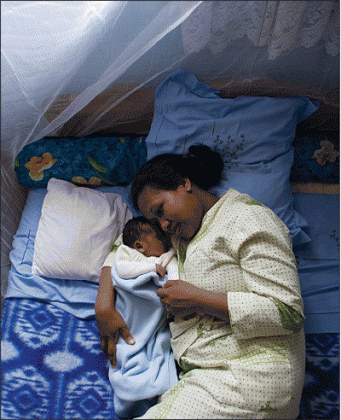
238, 327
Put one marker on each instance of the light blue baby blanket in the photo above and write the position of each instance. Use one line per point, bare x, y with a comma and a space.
146, 369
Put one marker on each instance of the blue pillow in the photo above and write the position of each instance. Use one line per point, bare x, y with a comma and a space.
84, 160
254, 136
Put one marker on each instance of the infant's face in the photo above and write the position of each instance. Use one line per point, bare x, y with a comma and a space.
150, 245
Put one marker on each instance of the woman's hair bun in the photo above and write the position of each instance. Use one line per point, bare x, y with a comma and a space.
211, 165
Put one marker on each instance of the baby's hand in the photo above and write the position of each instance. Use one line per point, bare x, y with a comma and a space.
160, 270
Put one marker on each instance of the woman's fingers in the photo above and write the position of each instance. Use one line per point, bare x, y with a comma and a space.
169, 283
127, 337
111, 346
165, 304
108, 344
104, 345
163, 292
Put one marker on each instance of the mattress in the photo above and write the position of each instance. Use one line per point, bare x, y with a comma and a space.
52, 363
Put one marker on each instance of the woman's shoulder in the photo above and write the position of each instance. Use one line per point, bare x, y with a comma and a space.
234, 197
249, 214
233, 201
230, 204
234, 208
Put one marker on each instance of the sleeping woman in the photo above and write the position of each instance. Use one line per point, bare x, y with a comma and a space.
238, 312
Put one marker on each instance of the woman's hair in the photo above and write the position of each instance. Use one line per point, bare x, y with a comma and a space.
135, 227
201, 165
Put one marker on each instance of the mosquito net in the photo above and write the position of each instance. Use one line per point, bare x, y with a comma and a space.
77, 67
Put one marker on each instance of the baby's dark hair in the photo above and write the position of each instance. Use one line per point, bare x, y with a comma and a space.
201, 165
135, 227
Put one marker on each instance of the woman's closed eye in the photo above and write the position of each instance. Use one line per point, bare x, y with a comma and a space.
159, 211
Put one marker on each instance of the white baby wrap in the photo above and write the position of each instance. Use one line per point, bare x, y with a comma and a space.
131, 263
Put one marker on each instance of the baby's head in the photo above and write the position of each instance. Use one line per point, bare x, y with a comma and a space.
146, 237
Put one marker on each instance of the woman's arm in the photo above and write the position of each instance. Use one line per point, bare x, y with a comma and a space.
215, 304
184, 300
272, 304
109, 322
106, 293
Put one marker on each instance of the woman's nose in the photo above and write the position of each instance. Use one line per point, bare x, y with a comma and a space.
164, 225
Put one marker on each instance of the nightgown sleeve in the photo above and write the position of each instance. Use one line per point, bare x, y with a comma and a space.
272, 304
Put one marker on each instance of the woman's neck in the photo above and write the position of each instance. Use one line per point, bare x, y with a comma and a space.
207, 199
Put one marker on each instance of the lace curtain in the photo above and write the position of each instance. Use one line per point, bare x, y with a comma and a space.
286, 43
77, 67
280, 25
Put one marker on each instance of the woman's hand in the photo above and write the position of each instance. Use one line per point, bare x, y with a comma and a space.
181, 299
184, 300
111, 326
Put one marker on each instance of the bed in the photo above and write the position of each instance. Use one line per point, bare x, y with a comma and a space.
52, 363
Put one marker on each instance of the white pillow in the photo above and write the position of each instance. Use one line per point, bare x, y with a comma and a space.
76, 230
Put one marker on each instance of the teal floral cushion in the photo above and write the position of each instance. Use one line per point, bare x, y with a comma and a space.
84, 160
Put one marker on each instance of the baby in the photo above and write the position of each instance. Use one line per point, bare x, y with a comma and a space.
145, 248
147, 369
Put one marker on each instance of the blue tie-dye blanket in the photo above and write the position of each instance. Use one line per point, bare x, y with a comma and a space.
52, 365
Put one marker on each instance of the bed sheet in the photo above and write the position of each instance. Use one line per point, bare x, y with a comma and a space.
318, 262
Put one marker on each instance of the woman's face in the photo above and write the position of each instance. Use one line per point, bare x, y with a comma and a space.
179, 212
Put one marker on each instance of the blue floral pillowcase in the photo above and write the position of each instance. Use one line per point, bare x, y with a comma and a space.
254, 136
97, 161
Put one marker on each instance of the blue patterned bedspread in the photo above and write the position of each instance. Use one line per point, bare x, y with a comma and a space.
321, 393
53, 367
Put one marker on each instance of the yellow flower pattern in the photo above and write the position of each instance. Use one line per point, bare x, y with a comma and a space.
92, 181
79, 180
37, 165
